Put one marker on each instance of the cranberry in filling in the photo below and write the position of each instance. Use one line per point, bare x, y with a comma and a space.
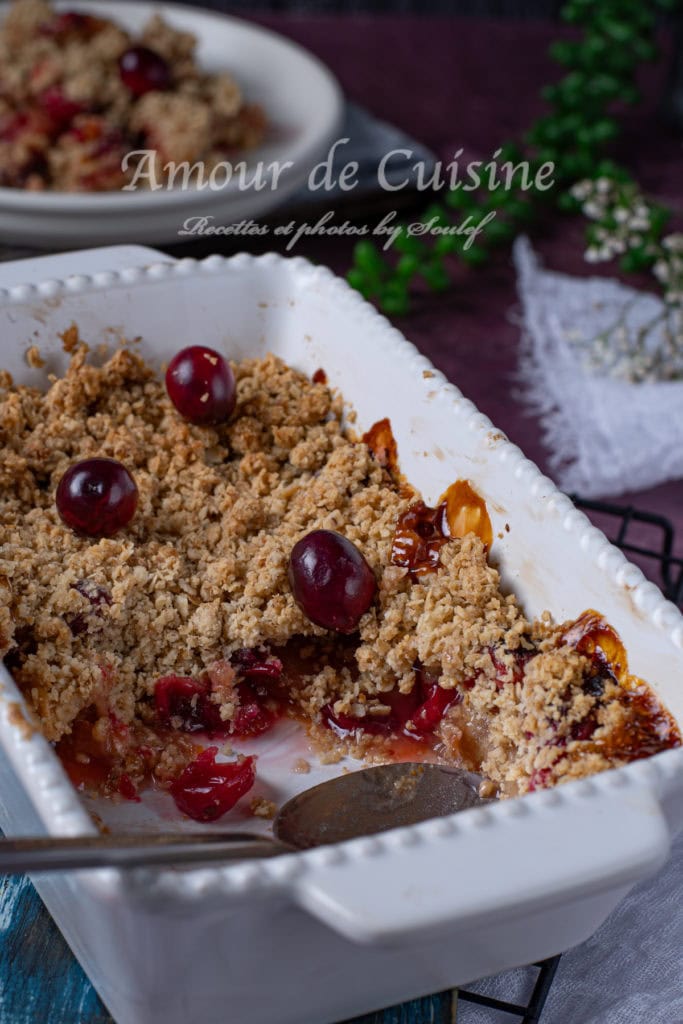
416, 714
59, 107
205, 790
345, 725
435, 705
98, 598
506, 673
540, 778
253, 716
256, 665
127, 789
71, 23
97, 497
585, 729
185, 703
331, 581
257, 670
201, 385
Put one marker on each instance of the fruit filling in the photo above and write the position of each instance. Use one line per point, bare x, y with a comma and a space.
186, 561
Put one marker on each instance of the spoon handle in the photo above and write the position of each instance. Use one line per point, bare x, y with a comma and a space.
20, 856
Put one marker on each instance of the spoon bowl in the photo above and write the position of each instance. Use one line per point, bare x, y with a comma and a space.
374, 800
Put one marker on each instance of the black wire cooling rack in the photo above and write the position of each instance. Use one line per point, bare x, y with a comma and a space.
529, 1013
648, 539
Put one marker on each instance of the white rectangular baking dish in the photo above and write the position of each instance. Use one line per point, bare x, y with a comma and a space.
325, 935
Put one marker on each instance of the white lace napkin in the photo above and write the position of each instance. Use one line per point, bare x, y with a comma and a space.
605, 435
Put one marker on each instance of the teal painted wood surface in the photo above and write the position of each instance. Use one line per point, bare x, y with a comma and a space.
41, 982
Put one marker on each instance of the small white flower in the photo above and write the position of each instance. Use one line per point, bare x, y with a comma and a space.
661, 270
593, 210
673, 242
581, 190
639, 224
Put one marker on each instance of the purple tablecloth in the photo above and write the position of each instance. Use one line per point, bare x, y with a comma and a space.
474, 83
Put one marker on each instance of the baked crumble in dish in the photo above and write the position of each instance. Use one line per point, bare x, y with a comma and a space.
78, 92
185, 561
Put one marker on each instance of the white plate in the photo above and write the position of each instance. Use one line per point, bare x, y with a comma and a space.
332, 933
303, 103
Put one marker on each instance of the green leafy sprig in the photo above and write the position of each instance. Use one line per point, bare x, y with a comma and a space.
617, 36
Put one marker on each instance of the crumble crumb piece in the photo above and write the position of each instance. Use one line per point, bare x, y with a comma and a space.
487, 789
262, 808
17, 716
301, 766
34, 358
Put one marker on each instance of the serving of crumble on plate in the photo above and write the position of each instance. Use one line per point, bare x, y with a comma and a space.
78, 93
130, 122
242, 557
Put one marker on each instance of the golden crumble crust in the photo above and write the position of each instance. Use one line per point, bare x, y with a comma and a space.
88, 626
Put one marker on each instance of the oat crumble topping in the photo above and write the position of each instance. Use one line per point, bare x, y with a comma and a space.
196, 587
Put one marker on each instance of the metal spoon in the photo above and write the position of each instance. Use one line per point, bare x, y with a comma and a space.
358, 804
374, 800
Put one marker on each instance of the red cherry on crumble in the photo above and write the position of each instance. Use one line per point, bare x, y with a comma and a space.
201, 385
142, 70
331, 581
97, 497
